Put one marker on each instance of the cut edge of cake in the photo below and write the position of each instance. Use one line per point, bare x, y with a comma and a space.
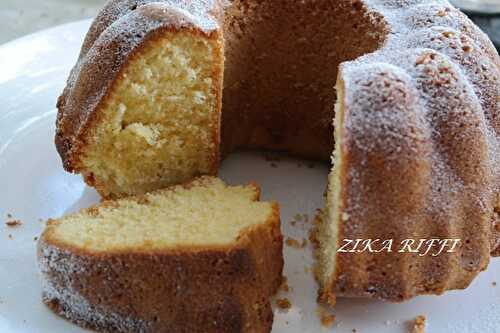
329, 220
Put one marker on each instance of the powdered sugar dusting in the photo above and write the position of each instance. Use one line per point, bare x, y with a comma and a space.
423, 106
204, 12
68, 302
422, 28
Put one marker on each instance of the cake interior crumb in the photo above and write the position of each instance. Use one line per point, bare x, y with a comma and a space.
162, 112
227, 210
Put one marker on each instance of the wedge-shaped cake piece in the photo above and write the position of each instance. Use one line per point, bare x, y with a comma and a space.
154, 97
202, 257
406, 213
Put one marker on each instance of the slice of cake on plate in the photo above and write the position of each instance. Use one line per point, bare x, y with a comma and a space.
201, 257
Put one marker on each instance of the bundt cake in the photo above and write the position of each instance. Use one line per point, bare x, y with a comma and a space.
417, 118
202, 257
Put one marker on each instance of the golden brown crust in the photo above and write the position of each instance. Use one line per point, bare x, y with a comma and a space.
211, 289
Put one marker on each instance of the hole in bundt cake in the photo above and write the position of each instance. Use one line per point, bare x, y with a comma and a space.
282, 69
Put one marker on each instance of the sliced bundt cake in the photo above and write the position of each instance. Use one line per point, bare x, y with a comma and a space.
202, 257
418, 119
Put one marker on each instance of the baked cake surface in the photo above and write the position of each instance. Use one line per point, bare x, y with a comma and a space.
202, 257
417, 123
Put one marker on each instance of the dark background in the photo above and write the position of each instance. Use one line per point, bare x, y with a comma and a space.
490, 24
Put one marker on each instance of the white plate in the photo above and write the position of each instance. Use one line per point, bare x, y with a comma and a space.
34, 186
478, 6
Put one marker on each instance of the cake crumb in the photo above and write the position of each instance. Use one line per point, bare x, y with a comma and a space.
13, 223
326, 319
284, 284
293, 243
313, 237
419, 324
284, 303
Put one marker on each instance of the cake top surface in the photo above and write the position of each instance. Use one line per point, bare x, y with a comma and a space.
205, 213
202, 14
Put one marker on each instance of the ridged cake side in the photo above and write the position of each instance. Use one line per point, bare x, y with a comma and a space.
420, 152
211, 288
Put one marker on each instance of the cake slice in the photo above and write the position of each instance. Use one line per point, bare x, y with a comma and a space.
155, 97
406, 213
202, 257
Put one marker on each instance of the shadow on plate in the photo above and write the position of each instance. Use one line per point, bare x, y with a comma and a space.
89, 198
